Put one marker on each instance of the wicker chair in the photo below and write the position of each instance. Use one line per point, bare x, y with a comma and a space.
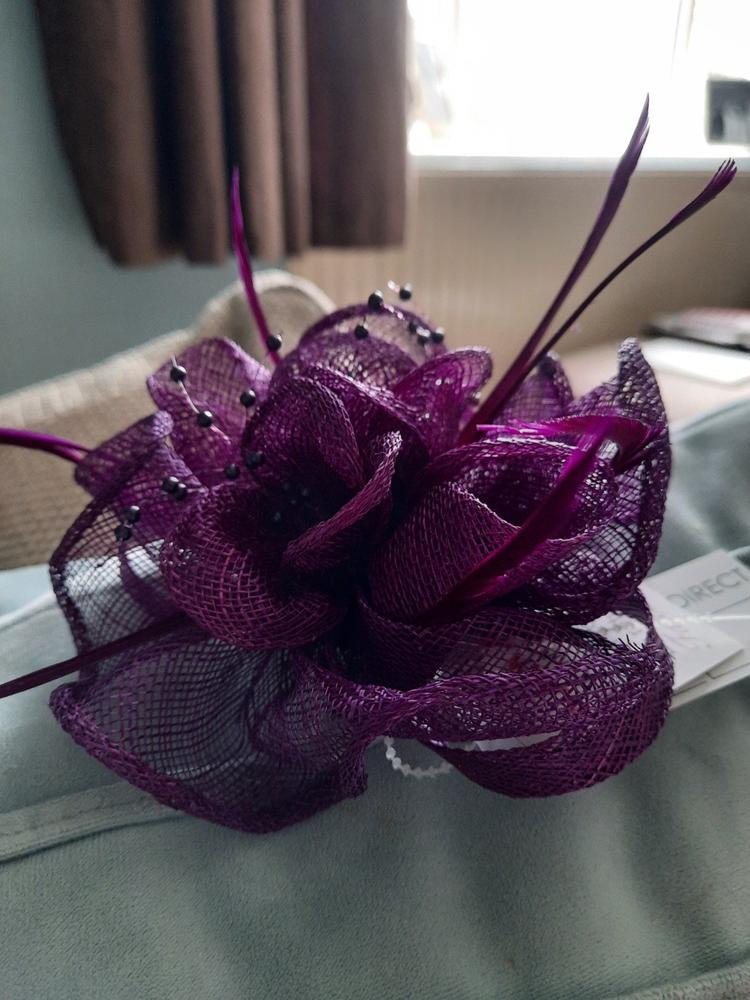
38, 497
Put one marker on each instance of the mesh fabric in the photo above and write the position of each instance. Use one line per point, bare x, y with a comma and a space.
296, 593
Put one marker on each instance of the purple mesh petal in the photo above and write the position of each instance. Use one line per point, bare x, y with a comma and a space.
375, 411
372, 361
417, 565
112, 460
612, 564
598, 707
109, 588
632, 392
259, 740
389, 326
439, 391
222, 566
218, 371
549, 518
246, 739
545, 394
481, 494
304, 432
330, 542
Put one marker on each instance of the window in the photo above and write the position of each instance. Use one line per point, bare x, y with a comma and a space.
566, 78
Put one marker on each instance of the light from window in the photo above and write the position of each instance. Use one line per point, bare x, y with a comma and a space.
566, 78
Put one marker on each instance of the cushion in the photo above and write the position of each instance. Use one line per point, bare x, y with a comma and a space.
426, 889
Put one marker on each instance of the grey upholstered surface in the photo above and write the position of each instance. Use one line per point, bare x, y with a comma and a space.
708, 506
428, 890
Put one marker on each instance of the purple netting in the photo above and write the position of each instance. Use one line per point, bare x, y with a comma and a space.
106, 590
399, 341
257, 740
546, 393
220, 372
607, 568
299, 563
482, 492
298, 571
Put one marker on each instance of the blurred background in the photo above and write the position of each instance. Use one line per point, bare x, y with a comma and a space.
461, 145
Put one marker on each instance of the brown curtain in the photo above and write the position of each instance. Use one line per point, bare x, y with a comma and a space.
157, 99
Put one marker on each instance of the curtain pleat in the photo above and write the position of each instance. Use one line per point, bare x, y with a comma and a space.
101, 89
252, 110
292, 83
357, 121
156, 100
187, 73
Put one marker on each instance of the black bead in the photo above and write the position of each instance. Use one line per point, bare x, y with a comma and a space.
274, 342
438, 336
277, 518
375, 301
181, 492
423, 336
122, 533
304, 493
132, 514
178, 373
248, 397
204, 418
170, 484
361, 331
254, 458
413, 326
404, 292
231, 471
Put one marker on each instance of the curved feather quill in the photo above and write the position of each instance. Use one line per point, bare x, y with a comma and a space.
615, 193
242, 254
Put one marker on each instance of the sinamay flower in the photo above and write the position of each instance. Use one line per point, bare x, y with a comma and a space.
278, 567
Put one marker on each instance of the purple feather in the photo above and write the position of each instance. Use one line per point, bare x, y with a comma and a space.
42, 442
632, 437
720, 180
245, 267
615, 193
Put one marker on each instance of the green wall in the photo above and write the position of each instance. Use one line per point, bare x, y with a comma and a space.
63, 304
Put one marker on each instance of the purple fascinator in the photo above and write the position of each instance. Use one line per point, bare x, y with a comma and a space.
289, 560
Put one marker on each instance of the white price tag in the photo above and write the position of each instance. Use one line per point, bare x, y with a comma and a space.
702, 612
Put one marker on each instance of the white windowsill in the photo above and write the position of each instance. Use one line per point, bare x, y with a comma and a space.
704, 164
